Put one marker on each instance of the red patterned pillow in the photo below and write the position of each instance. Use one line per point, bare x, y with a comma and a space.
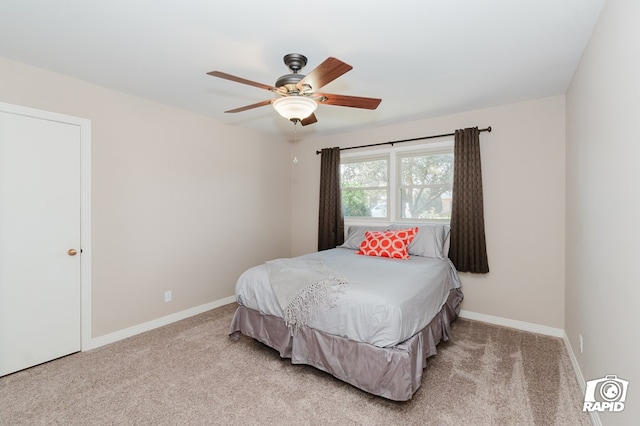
394, 244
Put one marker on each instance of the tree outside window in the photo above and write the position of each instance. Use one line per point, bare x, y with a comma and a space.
365, 185
426, 183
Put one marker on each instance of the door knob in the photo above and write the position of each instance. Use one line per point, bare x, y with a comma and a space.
72, 252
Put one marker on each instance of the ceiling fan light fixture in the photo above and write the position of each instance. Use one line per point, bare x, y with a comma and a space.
295, 108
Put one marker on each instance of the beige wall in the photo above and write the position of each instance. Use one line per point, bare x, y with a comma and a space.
524, 187
180, 202
603, 232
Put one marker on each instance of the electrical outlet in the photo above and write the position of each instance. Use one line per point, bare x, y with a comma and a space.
167, 296
581, 344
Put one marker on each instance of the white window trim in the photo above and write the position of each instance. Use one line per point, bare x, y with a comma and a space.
393, 153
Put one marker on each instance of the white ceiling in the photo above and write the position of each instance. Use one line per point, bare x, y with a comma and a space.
424, 58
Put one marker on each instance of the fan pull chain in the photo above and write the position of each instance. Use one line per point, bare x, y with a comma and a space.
295, 140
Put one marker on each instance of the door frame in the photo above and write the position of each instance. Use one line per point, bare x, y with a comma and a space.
85, 207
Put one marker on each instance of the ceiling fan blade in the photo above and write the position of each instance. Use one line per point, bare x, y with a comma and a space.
247, 107
309, 120
348, 101
226, 76
324, 73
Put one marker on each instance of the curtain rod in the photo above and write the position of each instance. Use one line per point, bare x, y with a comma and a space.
488, 129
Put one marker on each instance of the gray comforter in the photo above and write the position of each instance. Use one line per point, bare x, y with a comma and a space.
386, 301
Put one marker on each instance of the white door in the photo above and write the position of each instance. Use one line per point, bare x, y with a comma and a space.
39, 240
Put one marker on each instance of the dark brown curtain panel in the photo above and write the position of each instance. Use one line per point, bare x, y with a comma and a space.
330, 219
467, 249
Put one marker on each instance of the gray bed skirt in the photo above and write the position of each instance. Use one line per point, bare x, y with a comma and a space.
394, 373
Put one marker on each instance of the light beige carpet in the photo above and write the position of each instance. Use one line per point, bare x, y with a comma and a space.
190, 372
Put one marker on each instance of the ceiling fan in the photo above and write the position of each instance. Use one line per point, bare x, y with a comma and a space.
298, 98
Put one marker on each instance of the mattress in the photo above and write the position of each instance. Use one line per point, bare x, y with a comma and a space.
385, 302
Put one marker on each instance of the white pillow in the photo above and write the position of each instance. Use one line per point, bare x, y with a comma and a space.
355, 235
429, 241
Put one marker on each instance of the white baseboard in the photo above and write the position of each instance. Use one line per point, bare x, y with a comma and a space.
595, 419
574, 362
520, 325
160, 322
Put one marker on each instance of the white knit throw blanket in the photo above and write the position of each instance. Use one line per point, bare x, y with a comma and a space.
304, 288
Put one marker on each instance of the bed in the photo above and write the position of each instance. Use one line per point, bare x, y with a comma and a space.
380, 327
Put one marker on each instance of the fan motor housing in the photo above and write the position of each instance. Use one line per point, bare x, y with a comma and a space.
295, 62
289, 79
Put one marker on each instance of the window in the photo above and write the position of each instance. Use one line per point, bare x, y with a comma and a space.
414, 184
426, 185
365, 187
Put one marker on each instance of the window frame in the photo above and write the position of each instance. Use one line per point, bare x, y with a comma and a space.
393, 155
